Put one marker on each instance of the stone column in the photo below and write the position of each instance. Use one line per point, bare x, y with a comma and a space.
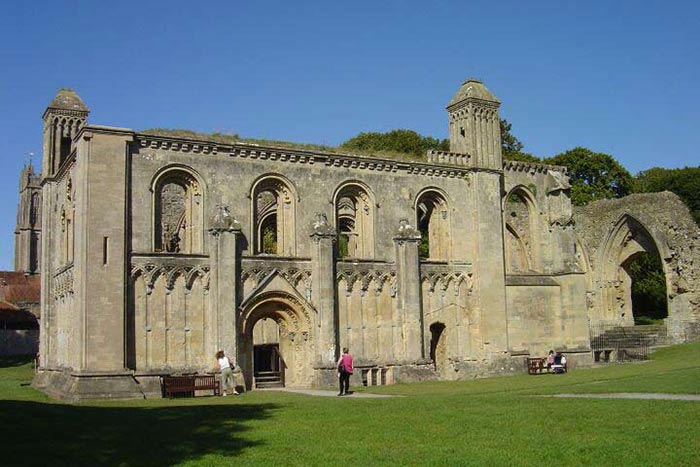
410, 310
223, 287
323, 292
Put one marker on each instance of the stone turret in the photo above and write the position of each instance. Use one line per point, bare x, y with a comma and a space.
475, 125
64, 116
28, 229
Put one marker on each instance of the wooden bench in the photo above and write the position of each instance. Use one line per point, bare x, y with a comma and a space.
187, 385
537, 366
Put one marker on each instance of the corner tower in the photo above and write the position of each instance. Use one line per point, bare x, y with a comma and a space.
28, 229
475, 125
64, 116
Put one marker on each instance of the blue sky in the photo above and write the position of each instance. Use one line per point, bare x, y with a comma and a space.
617, 77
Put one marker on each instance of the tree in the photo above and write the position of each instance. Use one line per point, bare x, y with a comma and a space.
402, 141
511, 147
593, 175
648, 288
683, 182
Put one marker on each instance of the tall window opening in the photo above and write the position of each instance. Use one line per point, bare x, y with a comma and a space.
354, 213
433, 223
178, 220
274, 217
522, 249
65, 148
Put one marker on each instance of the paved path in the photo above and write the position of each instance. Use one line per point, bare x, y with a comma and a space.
636, 395
322, 393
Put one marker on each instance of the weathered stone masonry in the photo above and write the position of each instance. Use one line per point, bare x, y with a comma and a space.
158, 250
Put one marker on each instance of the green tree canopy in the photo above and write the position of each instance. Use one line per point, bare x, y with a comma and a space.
402, 141
593, 175
683, 182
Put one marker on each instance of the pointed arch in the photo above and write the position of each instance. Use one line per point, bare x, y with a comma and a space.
521, 216
627, 239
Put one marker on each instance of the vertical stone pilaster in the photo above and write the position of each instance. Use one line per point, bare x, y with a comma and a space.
406, 241
323, 292
223, 287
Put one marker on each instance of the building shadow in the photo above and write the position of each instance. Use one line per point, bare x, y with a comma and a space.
56, 434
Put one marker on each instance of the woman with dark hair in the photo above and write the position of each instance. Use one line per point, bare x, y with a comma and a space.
344, 371
226, 372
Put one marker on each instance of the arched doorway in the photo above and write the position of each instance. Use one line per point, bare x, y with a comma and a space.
276, 346
629, 258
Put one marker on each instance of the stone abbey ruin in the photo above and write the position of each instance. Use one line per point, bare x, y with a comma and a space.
158, 249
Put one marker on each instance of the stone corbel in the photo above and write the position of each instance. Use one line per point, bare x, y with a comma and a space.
223, 221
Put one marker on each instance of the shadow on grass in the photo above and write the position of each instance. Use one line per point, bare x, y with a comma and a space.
55, 434
18, 360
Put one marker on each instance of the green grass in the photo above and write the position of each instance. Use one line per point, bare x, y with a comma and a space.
496, 421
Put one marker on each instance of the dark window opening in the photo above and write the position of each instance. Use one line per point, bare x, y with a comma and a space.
65, 149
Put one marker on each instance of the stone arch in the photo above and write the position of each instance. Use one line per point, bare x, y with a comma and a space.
626, 240
521, 216
178, 210
354, 205
273, 210
432, 208
294, 319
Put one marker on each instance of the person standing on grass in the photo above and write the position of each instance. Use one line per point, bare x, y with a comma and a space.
226, 372
344, 371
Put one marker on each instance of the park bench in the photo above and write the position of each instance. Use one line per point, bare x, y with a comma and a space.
187, 385
537, 366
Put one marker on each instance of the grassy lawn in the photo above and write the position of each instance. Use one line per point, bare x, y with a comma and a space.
497, 421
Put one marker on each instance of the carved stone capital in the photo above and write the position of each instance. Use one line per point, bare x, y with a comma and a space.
321, 228
406, 233
223, 221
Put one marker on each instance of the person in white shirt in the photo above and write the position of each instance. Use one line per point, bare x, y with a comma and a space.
226, 372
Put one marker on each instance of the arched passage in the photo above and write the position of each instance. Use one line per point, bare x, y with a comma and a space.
628, 247
275, 336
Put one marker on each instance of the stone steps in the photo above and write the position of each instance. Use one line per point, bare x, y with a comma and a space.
268, 379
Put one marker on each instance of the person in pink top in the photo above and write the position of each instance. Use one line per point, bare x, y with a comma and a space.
344, 371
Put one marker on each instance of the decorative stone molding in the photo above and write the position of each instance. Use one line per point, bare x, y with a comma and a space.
297, 273
436, 165
321, 227
170, 269
440, 276
63, 283
449, 158
365, 273
406, 233
223, 221
532, 167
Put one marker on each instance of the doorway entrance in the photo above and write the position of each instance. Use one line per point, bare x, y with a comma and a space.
268, 367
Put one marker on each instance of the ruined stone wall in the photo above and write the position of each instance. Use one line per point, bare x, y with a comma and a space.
657, 218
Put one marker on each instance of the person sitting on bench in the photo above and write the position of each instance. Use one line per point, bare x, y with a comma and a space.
559, 365
550, 360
